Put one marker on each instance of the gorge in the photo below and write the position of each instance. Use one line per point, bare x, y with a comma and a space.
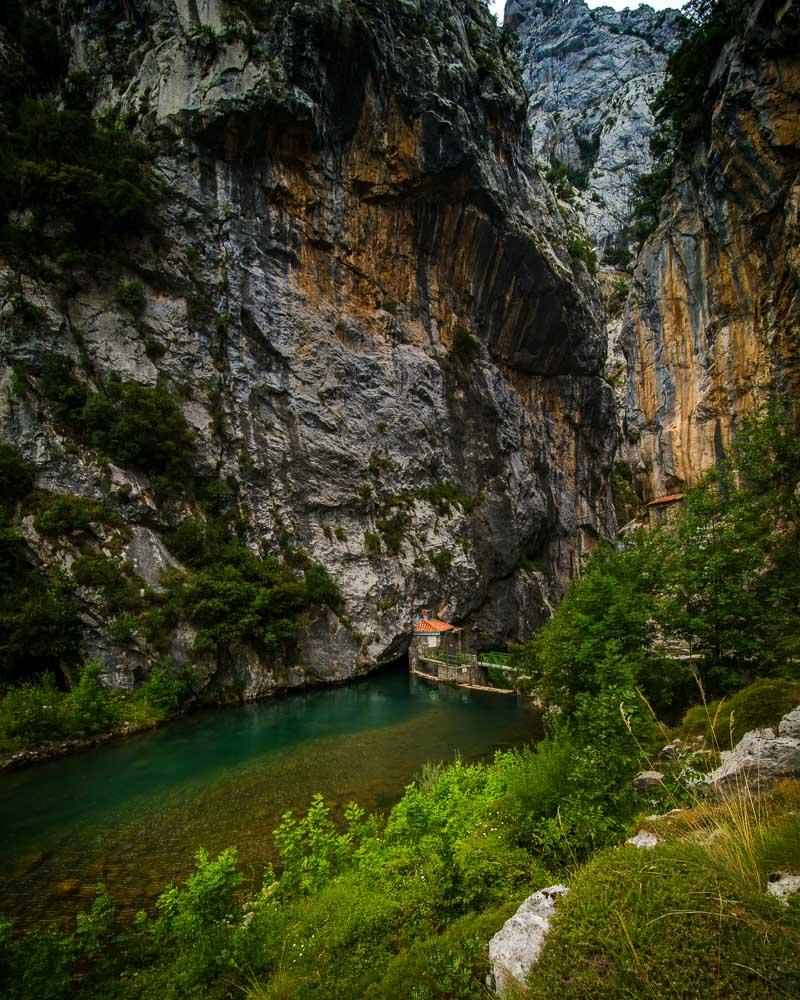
324, 320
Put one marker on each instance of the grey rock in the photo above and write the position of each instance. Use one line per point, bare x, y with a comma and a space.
758, 759
790, 724
647, 780
515, 948
781, 885
591, 75
642, 839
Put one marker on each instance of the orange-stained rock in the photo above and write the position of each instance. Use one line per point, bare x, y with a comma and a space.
712, 329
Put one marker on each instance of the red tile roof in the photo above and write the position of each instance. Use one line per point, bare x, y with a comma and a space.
433, 625
670, 499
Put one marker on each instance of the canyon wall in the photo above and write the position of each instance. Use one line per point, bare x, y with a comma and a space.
591, 75
360, 291
711, 328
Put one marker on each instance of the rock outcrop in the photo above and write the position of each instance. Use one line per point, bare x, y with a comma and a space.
346, 197
760, 757
591, 75
710, 330
516, 946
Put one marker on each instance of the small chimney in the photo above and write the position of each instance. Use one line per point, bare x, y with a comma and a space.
426, 613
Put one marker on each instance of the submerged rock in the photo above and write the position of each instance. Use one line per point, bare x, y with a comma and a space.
514, 949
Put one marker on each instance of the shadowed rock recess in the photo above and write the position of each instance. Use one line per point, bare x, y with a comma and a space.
345, 203
711, 327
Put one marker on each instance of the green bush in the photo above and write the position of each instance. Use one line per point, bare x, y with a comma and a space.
393, 529
372, 544
63, 164
441, 560
61, 514
119, 586
648, 193
134, 424
164, 691
238, 597
617, 257
39, 629
444, 496
580, 249
33, 713
16, 476
92, 708
760, 705
130, 295
721, 577
466, 347
452, 965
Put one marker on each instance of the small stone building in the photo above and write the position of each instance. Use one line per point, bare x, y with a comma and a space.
433, 634
661, 509
439, 650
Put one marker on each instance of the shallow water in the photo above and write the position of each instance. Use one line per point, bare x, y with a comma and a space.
131, 814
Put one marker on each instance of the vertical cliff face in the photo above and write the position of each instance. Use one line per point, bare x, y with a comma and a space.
359, 289
591, 75
711, 328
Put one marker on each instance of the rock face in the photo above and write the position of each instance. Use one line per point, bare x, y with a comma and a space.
760, 757
346, 192
591, 75
645, 781
514, 948
711, 325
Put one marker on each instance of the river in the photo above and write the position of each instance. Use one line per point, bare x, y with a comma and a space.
132, 813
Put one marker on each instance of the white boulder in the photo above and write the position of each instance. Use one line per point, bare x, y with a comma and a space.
781, 885
516, 946
759, 758
642, 839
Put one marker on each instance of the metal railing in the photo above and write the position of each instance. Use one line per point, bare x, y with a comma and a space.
456, 659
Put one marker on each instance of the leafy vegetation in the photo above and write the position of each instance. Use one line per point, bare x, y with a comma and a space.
466, 347
62, 514
680, 105
37, 713
669, 922
83, 180
721, 579
581, 249
760, 705
38, 626
62, 164
403, 906
134, 424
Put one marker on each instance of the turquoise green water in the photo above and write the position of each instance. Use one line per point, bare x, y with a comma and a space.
132, 813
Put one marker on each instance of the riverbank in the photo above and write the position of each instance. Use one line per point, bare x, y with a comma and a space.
52, 751
131, 813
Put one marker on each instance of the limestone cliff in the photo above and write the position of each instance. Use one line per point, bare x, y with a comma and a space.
346, 201
591, 75
711, 327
